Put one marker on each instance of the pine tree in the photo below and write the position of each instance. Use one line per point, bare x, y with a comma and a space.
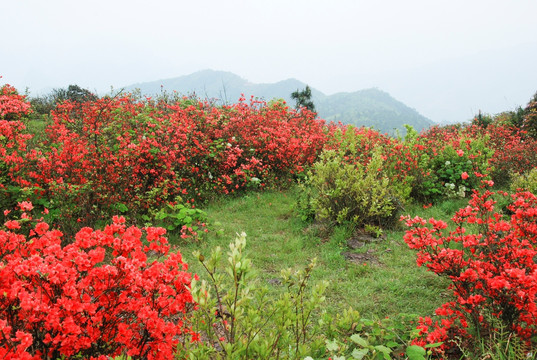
303, 99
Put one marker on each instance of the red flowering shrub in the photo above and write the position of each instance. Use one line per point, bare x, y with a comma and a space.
69, 301
515, 152
12, 105
116, 154
443, 155
276, 142
490, 261
13, 108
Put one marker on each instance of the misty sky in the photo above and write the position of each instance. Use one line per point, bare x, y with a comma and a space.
338, 45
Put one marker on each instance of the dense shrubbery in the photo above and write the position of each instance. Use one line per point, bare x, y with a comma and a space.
110, 292
92, 293
13, 108
449, 153
515, 152
111, 155
525, 182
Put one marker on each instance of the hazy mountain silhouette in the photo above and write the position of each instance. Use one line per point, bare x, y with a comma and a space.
369, 107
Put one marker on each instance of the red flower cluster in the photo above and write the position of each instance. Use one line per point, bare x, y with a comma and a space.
12, 105
69, 301
493, 272
515, 152
13, 108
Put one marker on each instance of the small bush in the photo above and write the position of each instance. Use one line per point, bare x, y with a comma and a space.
346, 192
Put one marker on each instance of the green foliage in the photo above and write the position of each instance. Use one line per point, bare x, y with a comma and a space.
240, 319
513, 118
73, 93
303, 99
178, 219
372, 339
354, 194
500, 344
525, 182
373, 230
42, 105
445, 170
304, 201
530, 117
482, 120
411, 133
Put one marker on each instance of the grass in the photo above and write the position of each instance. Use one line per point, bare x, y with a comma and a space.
278, 239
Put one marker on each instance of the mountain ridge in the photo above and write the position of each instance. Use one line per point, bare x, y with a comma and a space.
367, 107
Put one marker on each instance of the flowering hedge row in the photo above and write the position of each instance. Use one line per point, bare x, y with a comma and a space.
119, 154
115, 155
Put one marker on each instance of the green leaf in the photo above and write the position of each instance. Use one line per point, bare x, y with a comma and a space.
415, 352
359, 353
359, 340
392, 344
383, 349
122, 207
331, 345
428, 346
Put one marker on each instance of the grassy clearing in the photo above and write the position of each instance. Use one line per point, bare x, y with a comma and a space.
278, 239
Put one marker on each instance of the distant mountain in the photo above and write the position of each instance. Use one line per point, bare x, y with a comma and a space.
373, 108
370, 107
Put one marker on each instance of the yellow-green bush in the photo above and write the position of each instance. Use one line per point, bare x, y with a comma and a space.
344, 192
526, 181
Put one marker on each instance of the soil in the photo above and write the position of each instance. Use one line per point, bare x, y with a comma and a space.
368, 257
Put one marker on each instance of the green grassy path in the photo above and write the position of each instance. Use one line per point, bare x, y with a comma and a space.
278, 239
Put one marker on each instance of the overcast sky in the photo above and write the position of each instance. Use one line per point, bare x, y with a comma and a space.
337, 45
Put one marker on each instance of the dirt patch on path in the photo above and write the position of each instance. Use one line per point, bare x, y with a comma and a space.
358, 241
368, 257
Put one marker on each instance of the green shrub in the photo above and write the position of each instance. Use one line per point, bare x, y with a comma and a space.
526, 181
349, 193
180, 220
373, 339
